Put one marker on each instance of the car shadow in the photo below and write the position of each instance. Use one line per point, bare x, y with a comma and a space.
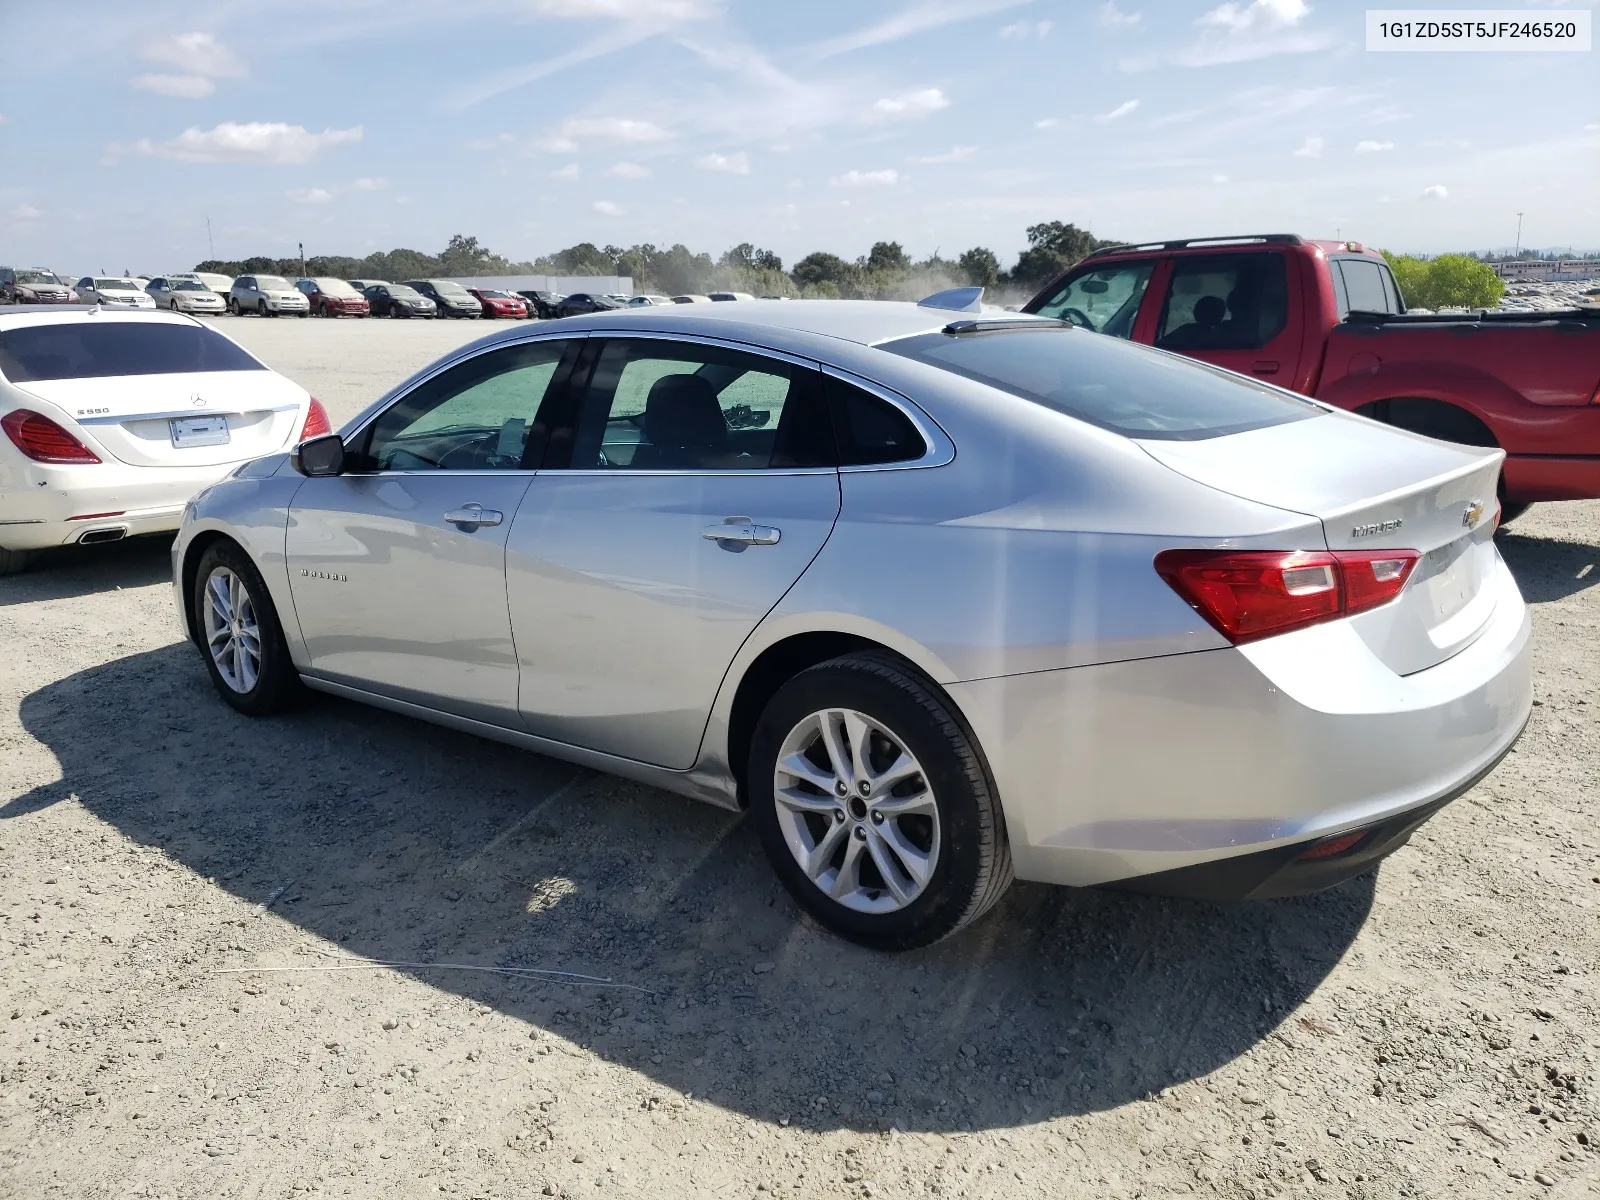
404, 842
64, 571
1548, 568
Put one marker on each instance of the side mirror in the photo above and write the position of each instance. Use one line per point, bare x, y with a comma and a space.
319, 456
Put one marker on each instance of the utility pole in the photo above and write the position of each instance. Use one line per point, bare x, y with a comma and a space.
210, 245
302, 246
1517, 253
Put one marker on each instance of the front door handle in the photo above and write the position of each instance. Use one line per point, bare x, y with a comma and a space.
741, 531
1264, 367
471, 516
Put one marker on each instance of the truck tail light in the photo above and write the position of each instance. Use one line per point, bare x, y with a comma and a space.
316, 422
1252, 594
42, 440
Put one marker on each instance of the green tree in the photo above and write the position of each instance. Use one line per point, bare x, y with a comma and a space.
1449, 281
1052, 247
888, 258
822, 267
464, 257
1411, 276
979, 267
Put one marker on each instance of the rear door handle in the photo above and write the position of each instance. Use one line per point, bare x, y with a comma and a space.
471, 516
741, 531
1264, 367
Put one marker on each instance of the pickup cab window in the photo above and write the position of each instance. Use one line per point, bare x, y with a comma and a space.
1367, 287
1224, 302
1105, 299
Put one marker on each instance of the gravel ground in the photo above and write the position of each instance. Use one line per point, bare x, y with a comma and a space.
1431, 1030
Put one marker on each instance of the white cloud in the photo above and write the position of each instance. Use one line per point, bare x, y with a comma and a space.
195, 54
3, 119
1589, 128
271, 142
727, 164
628, 170
628, 10
1117, 113
179, 87
953, 155
606, 208
369, 184
1369, 147
887, 178
1310, 148
1110, 16
24, 212
575, 130
1259, 14
1048, 123
568, 172
1436, 192
916, 18
911, 106
1022, 30
1219, 178
491, 143
314, 195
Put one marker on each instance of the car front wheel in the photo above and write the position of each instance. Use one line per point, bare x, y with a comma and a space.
874, 805
238, 629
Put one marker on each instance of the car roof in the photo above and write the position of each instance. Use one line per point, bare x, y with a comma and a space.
70, 313
864, 322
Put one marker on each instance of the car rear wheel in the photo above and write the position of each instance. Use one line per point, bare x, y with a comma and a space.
13, 562
238, 629
874, 805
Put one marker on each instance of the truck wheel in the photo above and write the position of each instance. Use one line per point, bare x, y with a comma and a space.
1510, 512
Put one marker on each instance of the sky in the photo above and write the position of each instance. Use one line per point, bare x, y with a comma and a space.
359, 125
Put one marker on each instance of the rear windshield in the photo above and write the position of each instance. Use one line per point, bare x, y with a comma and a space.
97, 350
1128, 389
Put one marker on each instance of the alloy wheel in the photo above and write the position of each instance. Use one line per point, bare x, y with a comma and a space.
856, 810
233, 633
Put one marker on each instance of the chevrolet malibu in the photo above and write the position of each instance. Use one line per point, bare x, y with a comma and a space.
110, 420
942, 597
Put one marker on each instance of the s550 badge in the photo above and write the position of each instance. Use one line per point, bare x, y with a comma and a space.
1376, 527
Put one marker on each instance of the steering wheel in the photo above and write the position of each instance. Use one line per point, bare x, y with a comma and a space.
1077, 317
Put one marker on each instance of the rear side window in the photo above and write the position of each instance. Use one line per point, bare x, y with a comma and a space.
1364, 286
1224, 302
94, 349
1109, 383
870, 431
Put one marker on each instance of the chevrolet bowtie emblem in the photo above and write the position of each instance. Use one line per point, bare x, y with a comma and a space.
1473, 515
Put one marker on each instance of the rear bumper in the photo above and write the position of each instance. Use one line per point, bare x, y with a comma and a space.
136, 500
1113, 773
1535, 477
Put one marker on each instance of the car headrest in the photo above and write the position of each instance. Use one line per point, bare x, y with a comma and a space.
1209, 311
682, 413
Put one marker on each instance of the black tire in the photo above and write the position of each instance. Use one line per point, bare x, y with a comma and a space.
1510, 512
277, 684
13, 562
973, 866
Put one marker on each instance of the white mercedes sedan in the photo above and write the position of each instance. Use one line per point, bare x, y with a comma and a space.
940, 597
112, 419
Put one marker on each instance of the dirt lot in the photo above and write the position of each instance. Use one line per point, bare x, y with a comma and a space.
1429, 1031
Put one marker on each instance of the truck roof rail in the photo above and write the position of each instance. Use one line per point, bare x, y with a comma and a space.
1244, 239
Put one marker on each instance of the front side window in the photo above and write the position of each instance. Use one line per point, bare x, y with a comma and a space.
1105, 299
86, 351
1224, 302
1122, 387
660, 405
474, 417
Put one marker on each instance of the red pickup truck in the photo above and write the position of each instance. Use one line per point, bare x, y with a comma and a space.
1326, 319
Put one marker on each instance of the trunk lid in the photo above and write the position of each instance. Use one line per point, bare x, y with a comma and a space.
1375, 488
132, 416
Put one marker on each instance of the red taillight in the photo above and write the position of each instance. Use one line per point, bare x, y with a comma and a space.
1332, 847
42, 440
316, 421
1251, 594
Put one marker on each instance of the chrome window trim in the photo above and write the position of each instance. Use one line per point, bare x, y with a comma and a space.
941, 451
697, 339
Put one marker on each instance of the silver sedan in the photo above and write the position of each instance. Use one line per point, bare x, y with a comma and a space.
943, 598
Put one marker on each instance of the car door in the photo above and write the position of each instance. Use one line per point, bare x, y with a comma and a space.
1232, 309
694, 486
397, 567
